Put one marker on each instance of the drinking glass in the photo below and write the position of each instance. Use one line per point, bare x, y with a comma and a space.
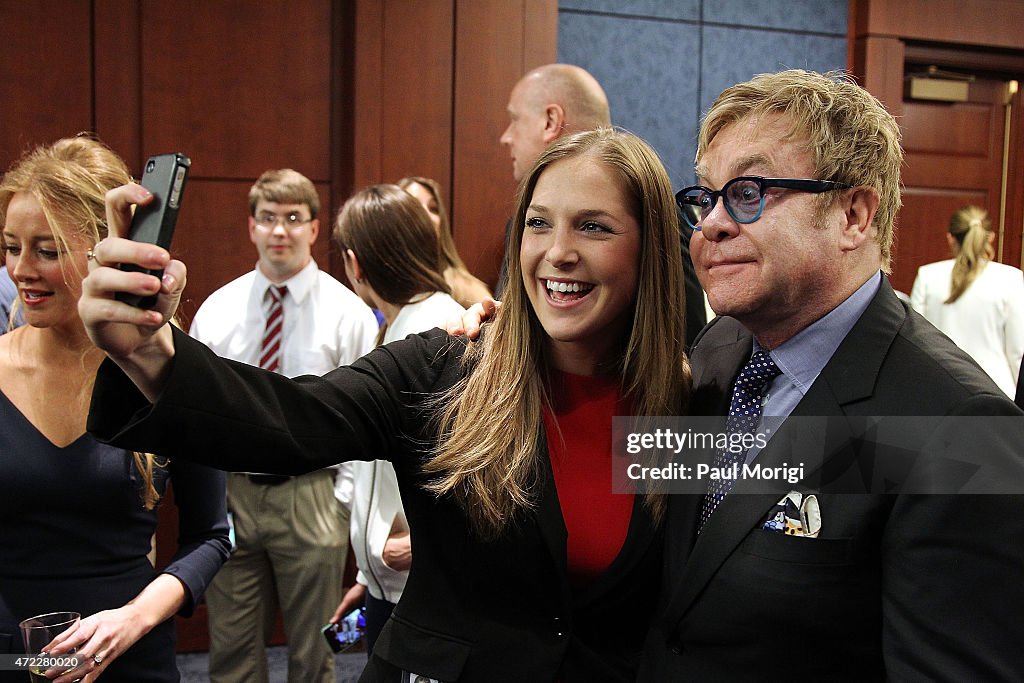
38, 631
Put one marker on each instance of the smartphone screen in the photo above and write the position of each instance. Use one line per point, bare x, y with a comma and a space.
347, 633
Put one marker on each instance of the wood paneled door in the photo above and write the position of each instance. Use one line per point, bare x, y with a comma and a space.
957, 153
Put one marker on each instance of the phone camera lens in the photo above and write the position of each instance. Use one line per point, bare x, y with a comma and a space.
150, 167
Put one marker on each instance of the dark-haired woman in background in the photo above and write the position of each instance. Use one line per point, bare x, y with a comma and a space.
393, 260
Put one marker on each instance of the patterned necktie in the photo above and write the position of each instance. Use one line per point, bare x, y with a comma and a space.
270, 350
744, 414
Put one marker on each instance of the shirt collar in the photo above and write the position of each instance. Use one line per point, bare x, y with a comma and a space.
299, 285
802, 358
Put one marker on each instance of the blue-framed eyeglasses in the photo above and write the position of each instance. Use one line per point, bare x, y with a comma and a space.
743, 196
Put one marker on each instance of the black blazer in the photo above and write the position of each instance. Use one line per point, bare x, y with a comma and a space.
472, 610
905, 587
1019, 397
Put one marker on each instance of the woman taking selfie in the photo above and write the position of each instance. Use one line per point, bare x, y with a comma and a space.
78, 514
526, 564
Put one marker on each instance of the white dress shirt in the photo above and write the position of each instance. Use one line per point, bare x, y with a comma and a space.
987, 321
325, 326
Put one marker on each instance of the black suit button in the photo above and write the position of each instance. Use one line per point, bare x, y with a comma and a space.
678, 649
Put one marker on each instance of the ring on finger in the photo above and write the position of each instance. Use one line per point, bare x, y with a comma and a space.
89, 256
97, 659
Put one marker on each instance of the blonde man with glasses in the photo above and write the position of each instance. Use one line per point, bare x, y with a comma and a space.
291, 533
798, 189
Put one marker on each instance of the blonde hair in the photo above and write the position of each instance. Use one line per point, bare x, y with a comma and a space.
70, 179
396, 244
488, 457
284, 186
851, 136
971, 227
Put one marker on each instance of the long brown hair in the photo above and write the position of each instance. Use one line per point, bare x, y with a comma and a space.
971, 227
488, 455
69, 179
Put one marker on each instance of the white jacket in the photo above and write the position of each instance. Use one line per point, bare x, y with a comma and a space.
987, 321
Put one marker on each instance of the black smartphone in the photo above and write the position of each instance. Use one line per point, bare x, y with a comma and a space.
164, 176
347, 633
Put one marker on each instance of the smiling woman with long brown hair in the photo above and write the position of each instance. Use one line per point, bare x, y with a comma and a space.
526, 566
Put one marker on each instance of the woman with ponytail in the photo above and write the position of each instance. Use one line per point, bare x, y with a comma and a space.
976, 302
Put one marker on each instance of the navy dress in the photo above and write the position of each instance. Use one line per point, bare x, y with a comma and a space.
74, 537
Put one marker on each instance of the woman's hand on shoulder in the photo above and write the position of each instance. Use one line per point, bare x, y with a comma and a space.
468, 324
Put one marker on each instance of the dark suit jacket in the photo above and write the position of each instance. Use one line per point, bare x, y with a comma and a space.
472, 610
898, 586
1019, 398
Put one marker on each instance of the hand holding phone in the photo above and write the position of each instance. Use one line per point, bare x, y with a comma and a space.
164, 176
347, 633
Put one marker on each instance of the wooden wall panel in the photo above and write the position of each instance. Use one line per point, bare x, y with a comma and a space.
995, 23
117, 79
416, 104
45, 73
879, 62
240, 86
954, 151
952, 157
518, 36
404, 85
367, 94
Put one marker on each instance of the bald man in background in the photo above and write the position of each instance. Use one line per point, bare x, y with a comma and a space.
560, 99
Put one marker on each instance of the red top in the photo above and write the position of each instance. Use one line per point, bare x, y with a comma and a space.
581, 458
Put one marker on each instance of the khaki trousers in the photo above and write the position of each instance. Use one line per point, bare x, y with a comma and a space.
292, 542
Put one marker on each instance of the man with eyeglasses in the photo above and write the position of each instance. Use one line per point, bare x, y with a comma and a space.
798, 188
290, 533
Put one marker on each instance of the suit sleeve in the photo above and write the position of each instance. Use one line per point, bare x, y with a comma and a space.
951, 572
235, 417
203, 545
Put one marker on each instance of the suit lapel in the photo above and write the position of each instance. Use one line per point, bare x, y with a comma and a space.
849, 376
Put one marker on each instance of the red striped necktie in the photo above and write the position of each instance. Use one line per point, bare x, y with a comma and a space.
270, 350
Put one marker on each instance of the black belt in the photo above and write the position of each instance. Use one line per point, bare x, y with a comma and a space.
269, 479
